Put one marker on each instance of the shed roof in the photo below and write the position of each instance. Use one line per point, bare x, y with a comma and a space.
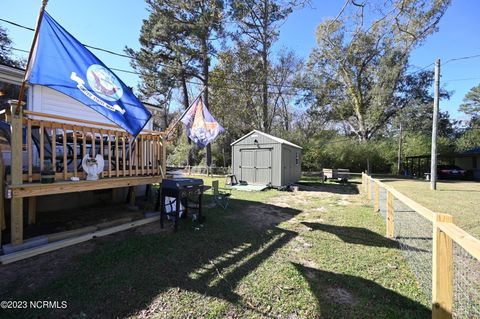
277, 139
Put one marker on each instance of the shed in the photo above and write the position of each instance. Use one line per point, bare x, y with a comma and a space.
260, 158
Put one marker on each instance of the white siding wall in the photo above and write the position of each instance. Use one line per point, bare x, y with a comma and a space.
45, 100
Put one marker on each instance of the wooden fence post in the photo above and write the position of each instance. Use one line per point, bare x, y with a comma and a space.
369, 185
16, 212
442, 270
364, 182
376, 203
390, 215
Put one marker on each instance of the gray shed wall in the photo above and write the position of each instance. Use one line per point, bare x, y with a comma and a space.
268, 152
291, 168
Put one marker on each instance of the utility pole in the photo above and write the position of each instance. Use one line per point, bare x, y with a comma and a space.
400, 142
433, 162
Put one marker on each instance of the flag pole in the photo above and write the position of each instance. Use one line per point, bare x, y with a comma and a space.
30, 55
183, 114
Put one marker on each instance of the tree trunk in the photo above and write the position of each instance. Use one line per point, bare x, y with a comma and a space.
266, 126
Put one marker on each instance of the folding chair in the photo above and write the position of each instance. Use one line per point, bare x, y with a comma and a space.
220, 195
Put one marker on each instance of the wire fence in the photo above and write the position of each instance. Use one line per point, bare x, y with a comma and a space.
414, 235
200, 170
457, 270
466, 289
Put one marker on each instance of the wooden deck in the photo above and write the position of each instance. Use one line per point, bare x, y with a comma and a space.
39, 140
37, 189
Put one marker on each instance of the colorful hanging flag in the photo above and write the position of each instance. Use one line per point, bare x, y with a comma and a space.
61, 62
202, 128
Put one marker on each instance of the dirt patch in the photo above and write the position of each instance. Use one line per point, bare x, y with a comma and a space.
264, 215
302, 241
343, 202
340, 296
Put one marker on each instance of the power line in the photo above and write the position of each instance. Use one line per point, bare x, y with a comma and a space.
281, 86
181, 69
421, 69
21, 50
463, 58
464, 79
161, 64
17, 25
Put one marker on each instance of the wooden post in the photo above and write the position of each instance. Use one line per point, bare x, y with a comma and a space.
390, 214
16, 212
42, 146
117, 157
124, 155
369, 185
164, 157
376, 203
131, 198
32, 210
130, 156
94, 137
102, 151
442, 270
142, 160
29, 151
53, 132
109, 141
3, 225
75, 164
135, 157
84, 145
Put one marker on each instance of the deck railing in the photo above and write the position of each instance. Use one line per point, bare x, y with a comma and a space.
39, 139
61, 143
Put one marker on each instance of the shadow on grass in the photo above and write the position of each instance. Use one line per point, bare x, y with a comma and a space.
341, 296
160, 273
329, 187
124, 277
357, 235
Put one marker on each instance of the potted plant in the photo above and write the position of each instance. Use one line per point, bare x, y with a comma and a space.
47, 175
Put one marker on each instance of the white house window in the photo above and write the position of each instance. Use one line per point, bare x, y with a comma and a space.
297, 159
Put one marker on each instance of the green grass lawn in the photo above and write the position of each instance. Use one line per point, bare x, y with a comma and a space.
310, 254
458, 198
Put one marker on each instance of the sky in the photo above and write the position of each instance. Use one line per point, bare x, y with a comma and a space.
112, 26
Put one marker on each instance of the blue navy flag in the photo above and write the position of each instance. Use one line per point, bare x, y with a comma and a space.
202, 128
61, 62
